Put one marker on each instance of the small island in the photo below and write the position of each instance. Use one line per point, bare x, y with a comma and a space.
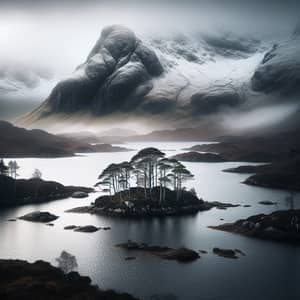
148, 185
183, 254
40, 217
194, 156
283, 226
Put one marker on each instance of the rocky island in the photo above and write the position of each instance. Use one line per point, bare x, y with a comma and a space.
40, 280
159, 190
40, 217
181, 254
228, 253
282, 226
121, 205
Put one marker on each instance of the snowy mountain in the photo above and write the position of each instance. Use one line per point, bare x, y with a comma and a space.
168, 78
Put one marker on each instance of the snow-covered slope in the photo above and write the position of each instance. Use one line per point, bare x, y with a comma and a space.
168, 76
201, 65
169, 79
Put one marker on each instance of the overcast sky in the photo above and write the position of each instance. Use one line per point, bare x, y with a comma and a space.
59, 34
54, 36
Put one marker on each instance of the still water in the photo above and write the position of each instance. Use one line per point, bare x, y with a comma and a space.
269, 271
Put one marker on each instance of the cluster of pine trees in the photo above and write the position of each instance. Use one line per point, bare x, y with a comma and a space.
147, 169
10, 169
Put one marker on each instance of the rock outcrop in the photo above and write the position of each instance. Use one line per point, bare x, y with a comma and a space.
228, 253
283, 226
183, 255
279, 71
79, 194
119, 66
39, 216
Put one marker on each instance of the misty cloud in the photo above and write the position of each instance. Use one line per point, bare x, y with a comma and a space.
21, 75
263, 117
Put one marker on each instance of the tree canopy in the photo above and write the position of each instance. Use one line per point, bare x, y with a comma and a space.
147, 169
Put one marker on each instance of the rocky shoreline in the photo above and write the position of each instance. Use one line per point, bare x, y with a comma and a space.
154, 212
281, 226
40, 280
137, 207
34, 190
194, 156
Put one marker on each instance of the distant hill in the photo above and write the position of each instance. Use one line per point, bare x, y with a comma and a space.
20, 142
204, 133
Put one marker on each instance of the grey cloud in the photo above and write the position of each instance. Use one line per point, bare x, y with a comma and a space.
16, 76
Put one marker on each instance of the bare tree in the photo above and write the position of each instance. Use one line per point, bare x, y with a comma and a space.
37, 174
13, 168
3, 168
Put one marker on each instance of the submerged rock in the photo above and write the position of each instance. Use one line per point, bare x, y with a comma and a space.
267, 202
221, 205
79, 194
106, 228
227, 253
87, 228
70, 227
130, 258
38, 216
